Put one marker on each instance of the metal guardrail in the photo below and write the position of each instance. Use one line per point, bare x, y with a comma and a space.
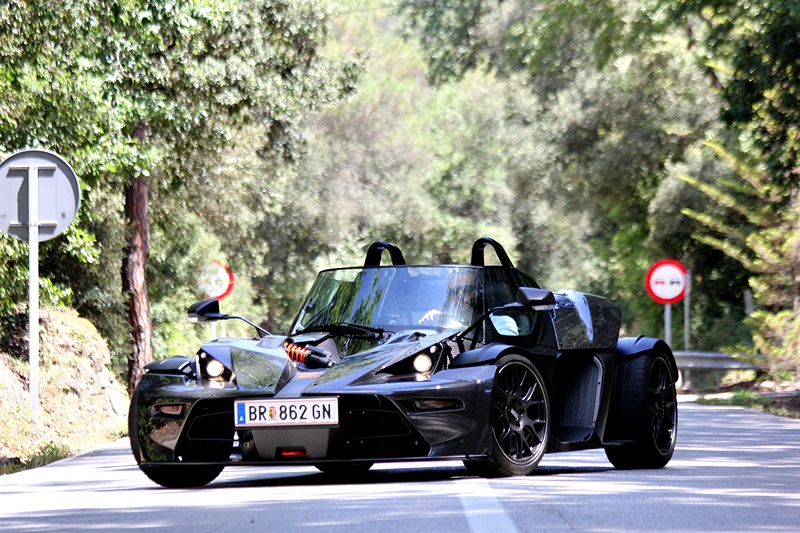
717, 361
710, 361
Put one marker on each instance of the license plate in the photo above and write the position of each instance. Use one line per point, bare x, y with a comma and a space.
294, 412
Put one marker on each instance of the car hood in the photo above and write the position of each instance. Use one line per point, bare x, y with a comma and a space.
262, 365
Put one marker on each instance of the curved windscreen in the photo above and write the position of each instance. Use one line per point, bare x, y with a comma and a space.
445, 298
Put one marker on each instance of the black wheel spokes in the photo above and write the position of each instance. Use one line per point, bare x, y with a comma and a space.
662, 406
519, 413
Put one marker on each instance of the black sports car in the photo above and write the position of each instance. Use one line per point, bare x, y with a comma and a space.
400, 362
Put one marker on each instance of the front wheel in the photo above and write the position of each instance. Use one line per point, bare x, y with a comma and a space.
520, 418
647, 408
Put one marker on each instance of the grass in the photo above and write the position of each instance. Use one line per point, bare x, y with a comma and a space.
47, 454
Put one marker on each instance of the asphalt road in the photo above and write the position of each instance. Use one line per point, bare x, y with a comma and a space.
734, 470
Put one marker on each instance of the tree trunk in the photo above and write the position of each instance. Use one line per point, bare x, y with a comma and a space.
134, 266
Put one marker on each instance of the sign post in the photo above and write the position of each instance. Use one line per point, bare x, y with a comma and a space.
666, 283
39, 198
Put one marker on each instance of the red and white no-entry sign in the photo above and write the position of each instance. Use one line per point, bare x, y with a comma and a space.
216, 280
666, 281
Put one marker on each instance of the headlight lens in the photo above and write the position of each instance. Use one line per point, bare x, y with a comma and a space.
214, 368
422, 363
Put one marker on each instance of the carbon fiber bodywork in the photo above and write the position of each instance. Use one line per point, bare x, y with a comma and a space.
378, 419
401, 391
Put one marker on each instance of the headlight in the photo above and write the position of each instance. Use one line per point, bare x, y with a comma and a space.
422, 363
214, 368
214, 371
416, 365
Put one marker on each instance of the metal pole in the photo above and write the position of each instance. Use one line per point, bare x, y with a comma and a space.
33, 288
687, 305
668, 324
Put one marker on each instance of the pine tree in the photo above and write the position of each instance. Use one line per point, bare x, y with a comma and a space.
767, 243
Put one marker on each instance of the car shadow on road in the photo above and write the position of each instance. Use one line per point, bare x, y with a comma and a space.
384, 476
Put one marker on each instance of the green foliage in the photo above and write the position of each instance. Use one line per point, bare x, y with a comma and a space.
788, 406
15, 275
616, 101
558, 128
777, 336
49, 453
135, 88
766, 243
548, 40
758, 41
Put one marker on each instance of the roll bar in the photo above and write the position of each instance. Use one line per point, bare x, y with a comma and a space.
376, 250
477, 252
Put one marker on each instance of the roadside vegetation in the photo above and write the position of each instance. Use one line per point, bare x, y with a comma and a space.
280, 137
81, 404
787, 405
753, 389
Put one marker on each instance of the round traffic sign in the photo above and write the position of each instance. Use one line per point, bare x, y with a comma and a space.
216, 280
57, 190
666, 281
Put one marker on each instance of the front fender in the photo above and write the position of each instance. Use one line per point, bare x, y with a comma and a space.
153, 438
482, 356
489, 354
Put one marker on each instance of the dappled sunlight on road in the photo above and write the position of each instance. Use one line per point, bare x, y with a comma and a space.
737, 467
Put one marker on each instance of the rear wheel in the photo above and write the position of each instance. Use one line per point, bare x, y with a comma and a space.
182, 476
520, 419
647, 410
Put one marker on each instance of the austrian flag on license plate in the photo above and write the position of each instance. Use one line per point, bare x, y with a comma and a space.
294, 412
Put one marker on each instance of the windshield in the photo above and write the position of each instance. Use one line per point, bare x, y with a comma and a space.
444, 298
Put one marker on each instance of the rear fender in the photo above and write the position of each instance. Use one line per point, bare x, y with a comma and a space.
632, 347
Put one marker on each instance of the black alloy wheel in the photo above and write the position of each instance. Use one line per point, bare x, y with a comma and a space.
647, 406
520, 416
662, 403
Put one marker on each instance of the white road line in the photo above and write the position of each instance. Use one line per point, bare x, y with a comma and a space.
481, 508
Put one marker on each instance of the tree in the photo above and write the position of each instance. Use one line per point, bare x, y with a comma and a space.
766, 241
615, 99
549, 40
756, 45
146, 87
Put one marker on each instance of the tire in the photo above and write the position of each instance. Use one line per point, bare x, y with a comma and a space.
182, 476
170, 476
520, 419
646, 410
343, 469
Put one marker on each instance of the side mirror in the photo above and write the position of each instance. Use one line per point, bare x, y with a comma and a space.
536, 299
206, 311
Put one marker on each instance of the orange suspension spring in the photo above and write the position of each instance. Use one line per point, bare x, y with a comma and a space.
296, 353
